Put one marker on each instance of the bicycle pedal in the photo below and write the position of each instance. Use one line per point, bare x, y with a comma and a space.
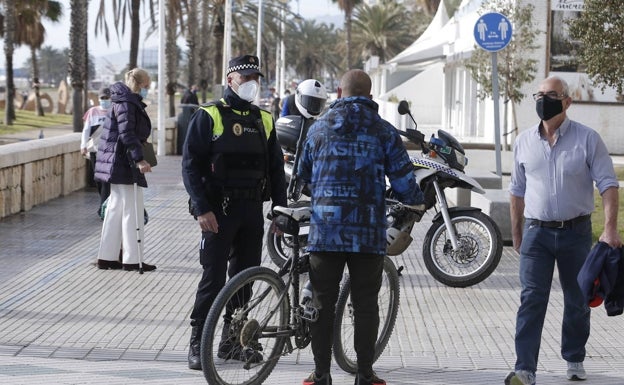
309, 313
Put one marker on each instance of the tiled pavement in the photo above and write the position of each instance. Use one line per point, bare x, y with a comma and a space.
62, 321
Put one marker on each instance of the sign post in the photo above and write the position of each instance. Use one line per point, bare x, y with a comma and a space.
492, 32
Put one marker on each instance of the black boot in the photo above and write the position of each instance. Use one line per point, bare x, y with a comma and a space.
194, 361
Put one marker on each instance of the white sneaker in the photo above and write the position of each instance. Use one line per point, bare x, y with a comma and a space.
521, 377
576, 372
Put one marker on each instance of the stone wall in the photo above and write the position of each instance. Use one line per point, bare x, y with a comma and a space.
36, 171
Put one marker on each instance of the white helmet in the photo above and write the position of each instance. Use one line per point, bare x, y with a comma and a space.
310, 98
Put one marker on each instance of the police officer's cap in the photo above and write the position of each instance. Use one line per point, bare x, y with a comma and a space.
245, 65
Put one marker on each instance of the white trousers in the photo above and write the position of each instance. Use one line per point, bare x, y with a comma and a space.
119, 230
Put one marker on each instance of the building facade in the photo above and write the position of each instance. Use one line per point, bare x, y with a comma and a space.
430, 74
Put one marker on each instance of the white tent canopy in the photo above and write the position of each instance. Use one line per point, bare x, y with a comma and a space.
428, 46
443, 38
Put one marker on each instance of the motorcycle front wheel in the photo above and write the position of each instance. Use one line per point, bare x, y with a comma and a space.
480, 247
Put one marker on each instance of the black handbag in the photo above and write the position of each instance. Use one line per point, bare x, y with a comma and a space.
149, 155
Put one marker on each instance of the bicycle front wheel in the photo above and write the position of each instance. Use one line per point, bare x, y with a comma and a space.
388, 302
246, 329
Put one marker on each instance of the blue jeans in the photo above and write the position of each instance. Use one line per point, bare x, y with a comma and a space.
541, 248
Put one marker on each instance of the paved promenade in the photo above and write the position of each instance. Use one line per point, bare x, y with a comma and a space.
63, 321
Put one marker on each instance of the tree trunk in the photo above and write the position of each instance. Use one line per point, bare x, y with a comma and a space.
9, 35
171, 55
217, 32
35, 75
204, 65
430, 6
514, 121
348, 29
135, 34
191, 42
77, 31
85, 70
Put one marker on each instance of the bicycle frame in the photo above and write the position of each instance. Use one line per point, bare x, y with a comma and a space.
293, 269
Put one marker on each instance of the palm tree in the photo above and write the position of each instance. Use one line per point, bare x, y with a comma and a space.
429, 6
315, 54
30, 31
347, 6
244, 29
121, 9
7, 30
382, 30
77, 57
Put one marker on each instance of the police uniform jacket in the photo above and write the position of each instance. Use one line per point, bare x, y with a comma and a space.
199, 153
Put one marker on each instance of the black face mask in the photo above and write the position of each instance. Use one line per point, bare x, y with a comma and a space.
547, 108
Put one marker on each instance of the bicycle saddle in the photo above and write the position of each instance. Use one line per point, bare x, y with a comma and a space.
299, 214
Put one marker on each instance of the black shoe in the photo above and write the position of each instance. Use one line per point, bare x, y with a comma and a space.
135, 266
232, 350
313, 379
103, 264
194, 360
372, 380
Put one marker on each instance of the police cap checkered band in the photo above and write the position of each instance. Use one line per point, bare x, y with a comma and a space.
245, 65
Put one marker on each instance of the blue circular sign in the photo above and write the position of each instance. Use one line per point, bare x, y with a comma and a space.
492, 31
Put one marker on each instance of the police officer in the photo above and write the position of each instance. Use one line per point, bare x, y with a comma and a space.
231, 163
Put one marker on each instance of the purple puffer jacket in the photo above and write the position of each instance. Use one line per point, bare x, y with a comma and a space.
125, 128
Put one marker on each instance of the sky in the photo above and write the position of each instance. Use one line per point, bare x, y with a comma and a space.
57, 34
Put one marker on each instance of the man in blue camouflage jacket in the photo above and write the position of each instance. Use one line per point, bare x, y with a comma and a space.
346, 156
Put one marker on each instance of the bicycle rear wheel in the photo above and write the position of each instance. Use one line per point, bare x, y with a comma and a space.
241, 340
388, 301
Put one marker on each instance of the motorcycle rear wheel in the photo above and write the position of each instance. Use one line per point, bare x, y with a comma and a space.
480, 249
280, 247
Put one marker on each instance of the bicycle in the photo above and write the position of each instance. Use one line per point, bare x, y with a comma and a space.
258, 316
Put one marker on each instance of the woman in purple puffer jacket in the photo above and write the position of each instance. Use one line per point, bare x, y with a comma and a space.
120, 162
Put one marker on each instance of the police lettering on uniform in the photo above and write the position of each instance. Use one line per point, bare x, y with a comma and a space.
231, 164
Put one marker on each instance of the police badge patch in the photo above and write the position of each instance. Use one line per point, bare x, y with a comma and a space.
237, 128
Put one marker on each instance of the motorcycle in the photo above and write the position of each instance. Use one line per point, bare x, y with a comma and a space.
462, 246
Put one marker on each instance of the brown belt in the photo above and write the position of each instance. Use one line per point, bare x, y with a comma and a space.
560, 224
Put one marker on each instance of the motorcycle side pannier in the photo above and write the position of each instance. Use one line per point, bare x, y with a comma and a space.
287, 129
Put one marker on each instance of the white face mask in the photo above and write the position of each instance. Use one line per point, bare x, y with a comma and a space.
248, 90
105, 103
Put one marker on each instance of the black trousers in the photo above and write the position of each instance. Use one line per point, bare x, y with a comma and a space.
237, 246
326, 270
103, 188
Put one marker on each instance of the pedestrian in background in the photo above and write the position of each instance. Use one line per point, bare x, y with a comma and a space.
93, 121
288, 106
275, 104
556, 163
190, 96
350, 148
120, 162
231, 164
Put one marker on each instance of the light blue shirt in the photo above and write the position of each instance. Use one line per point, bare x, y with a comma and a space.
557, 182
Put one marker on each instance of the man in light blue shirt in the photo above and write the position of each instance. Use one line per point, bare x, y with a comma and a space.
556, 164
